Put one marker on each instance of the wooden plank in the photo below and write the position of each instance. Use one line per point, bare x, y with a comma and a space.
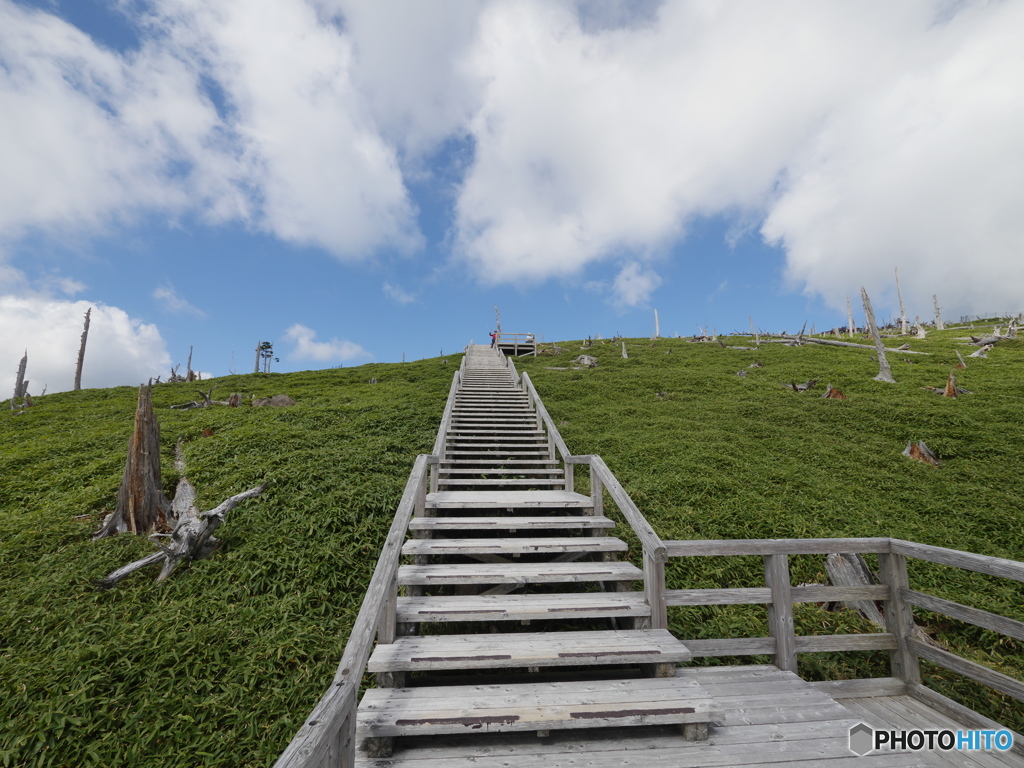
961, 714
317, 734
862, 687
780, 610
507, 500
519, 545
698, 547
581, 605
649, 540
506, 523
518, 573
740, 596
534, 649
549, 706
878, 641
825, 594
977, 672
994, 566
731, 646
975, 616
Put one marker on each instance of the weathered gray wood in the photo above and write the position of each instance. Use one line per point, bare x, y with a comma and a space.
518, 573
780, 611
834, 343
879, 641
824, 594
976, 616
654, 587
582, 605
700, 547
325, 723
731, 646
509, 523
848, 570
739, 596
899, 619
958, 712
994, 566
81, 351
514, 545
532, 707
19, 381
977, 672
507, 500
544, 649
862, 687
884, 371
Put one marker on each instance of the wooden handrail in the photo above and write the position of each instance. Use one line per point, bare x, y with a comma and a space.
968, 561
321, 735
731, 547
560, 445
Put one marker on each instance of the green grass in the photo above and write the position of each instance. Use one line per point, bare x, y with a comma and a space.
220, 665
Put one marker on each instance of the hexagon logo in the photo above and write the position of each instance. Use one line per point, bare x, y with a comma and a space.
862, 739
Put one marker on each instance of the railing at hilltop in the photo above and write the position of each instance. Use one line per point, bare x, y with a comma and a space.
518, 343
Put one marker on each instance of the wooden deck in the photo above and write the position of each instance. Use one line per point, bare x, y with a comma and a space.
771, 718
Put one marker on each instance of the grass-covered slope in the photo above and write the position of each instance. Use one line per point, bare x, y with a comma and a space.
219, 665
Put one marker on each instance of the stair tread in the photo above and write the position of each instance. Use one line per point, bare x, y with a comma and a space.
519, 523
518, 573
529, 649
514, 545
562, 605
508, 499
533, 707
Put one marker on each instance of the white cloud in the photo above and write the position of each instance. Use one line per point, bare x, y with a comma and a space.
120, 349
868, 135
634, 285
398, 294
91, 136
172, 302
307, 348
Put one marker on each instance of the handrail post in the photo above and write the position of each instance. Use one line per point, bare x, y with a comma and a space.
596, 493
654, 586
899, 618
780, 612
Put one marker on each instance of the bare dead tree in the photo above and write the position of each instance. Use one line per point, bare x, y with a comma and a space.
884, 371
81, 351
142, 507
19, 382
939, 325
190, 375
904, 326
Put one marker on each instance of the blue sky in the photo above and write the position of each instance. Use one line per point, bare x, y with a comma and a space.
358, 181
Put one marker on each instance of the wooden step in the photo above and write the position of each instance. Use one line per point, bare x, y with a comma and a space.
508, 500
564, 605
517, 573
390, 712
576, 522
493, 462
498, 471
519, 545
528, 649
501, 482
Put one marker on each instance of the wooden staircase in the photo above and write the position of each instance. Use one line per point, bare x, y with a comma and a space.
501, 543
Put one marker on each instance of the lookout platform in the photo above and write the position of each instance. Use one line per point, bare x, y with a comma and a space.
513, 629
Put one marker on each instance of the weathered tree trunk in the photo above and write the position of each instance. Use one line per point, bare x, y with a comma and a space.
919, 327
903, 310
884, 371
190, 375
939, 325
657, 326
849, 318
142, 506
259, 346
624, 355
834, 343
19, 381
81, 351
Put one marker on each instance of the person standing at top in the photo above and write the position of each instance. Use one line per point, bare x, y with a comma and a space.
494, 339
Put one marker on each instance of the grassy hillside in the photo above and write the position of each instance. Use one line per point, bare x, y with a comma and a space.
220, 665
